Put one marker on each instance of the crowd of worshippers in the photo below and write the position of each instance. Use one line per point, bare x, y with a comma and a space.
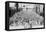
20, 19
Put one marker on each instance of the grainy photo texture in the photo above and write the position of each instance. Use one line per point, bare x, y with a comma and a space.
25, 15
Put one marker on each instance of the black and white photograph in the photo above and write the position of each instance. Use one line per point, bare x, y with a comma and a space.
24, 15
